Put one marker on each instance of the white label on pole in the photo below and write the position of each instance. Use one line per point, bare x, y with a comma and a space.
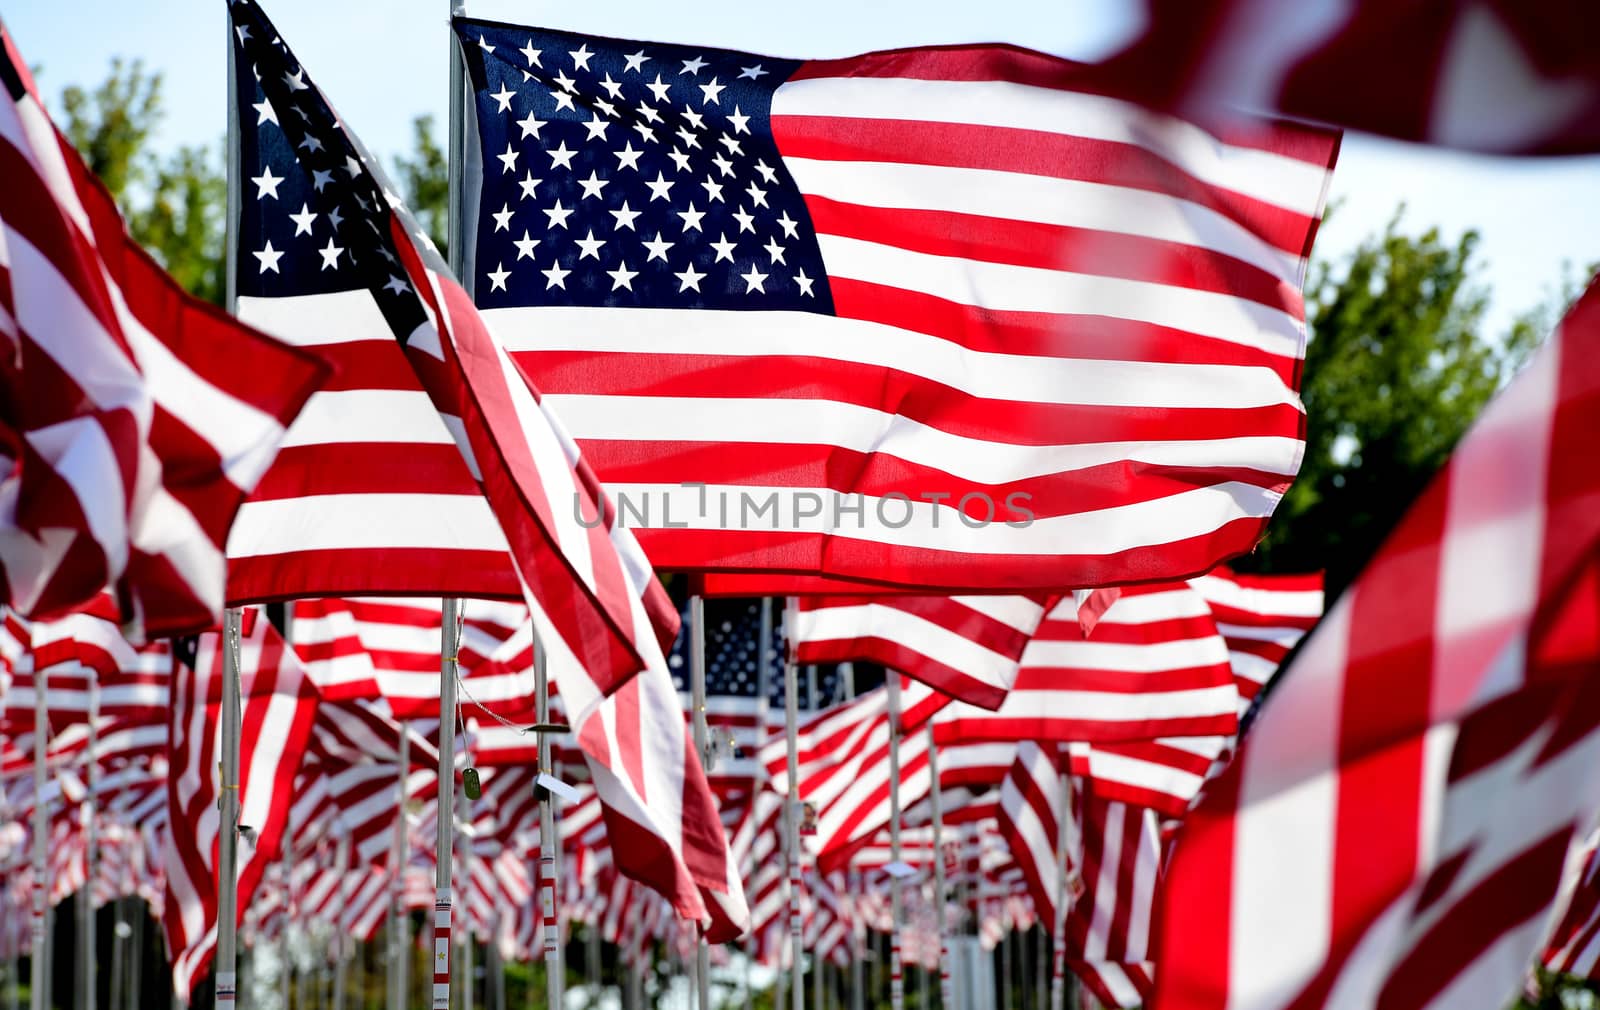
560, 788
900, 870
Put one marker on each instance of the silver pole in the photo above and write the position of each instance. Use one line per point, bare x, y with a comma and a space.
548, 843
858, 931
228, 802
85, 905
897, 991
464, 812
764, 659
449, 643
697, 702
791, 725
40, 976
119, 952
946, 991
816, 961
1063, 894
400, 943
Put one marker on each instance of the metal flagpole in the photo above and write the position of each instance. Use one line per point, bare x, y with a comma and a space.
464, 814
399, 942
449, 642
858, 979
85, 904
697, 700
285, 954
548, 842
40, 976
816, 958
946, 991
228, 802
1063, 893
764, 657
897, 991
791, 723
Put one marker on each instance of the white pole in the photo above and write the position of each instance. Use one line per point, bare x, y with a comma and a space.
399, 941
449, 642
897, 992
697, 701
228, 802
946, 991
40, 976
91, 839
548, 842
1063, 895
791, 725
858, 937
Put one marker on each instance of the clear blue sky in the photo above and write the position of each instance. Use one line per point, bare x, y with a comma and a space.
384, 61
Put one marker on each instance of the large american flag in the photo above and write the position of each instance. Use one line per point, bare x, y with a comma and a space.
136, 417
962, 277
363, 274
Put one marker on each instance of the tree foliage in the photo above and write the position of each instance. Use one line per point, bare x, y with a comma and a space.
1397, 367
424, 178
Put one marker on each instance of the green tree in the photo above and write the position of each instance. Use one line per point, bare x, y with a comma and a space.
175, 206
424, 178
1397, 367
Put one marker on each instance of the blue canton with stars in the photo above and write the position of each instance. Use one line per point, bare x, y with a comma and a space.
631, 174
733, 657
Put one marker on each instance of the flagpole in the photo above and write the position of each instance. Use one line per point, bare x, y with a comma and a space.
399, 942
946, 990
85, 904
40, 975
449, 642
847, 686
816, 960
697, 700
764, 657
791, 726
1059, 926
554, 980
897, 992
464, 813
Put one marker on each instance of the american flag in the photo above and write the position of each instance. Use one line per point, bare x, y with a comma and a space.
1153, 667
1261, 617
1394, 825
1032, 804
1164, 774
881, 307
967, 647
1108, 929
136, 416
374, 277
278, 706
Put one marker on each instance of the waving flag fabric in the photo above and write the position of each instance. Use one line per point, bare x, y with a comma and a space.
1500, 77
372, 277
1154, 666
1393, 829
967, 647
133, 418
1261, 617
949, 318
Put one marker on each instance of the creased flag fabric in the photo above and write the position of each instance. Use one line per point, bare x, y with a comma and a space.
1261, 617
948, 318
373, 276
967, 647
1393, 828
133, 417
